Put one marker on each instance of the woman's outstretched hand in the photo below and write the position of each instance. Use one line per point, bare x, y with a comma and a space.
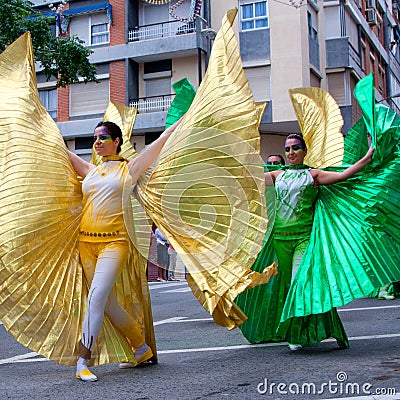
368, 155
167, 133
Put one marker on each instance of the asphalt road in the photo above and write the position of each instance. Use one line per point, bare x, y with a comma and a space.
200, 360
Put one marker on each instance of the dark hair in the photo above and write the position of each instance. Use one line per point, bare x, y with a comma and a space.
277, 155
298, 137
114, 130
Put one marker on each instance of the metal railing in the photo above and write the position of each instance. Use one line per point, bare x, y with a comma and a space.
164, 29
152, 103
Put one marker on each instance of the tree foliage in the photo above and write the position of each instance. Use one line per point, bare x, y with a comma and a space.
63, 57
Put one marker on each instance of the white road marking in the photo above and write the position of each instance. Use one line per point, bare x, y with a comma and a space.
368, 308
168, 321
165, 285
22, 357
28, 357
181, 290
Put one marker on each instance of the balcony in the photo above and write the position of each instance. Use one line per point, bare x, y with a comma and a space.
158, 31
152, 104
172, 39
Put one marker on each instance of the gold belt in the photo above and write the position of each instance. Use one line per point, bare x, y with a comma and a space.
99, 234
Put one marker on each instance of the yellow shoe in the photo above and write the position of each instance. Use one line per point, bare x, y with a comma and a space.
86, 376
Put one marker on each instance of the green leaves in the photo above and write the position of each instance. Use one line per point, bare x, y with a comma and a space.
64, 57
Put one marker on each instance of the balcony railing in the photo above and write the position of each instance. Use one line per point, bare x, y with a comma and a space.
164, 29
152, 103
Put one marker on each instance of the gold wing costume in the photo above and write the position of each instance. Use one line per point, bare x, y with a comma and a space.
206, 193
43, 291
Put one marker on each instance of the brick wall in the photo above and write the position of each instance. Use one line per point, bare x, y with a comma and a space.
63, 93
63, 105
117, 82
117, 29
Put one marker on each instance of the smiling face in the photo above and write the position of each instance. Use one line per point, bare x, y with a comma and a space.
104, 143
294, 151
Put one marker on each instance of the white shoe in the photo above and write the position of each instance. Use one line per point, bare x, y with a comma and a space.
384, 295
294, 347
126, 365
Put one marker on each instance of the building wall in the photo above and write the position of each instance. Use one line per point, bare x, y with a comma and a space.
272, 144
118, 82
185, 67
276, 59
118, 27
289, 67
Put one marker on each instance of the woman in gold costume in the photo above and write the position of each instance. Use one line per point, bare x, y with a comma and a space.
103, 238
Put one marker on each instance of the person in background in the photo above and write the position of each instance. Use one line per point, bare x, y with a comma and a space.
275, 159
162, 255
172, 263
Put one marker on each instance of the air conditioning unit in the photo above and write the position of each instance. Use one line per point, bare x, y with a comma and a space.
370, 16
371, 4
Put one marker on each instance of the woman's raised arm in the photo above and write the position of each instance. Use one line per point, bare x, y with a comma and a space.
80, 166
143, 161
330, 177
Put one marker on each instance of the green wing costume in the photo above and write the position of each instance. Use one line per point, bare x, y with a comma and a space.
353, 247
355, 243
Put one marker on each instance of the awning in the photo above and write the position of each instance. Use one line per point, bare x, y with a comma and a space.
49, 15
73, 12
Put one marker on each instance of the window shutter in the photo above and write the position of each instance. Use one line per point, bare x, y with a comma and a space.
157, 87
336, 87
80, 26
259, 79
89, 98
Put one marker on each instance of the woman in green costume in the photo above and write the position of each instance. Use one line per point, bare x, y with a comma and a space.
296, 192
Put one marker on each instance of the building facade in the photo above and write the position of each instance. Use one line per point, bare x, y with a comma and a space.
140, 50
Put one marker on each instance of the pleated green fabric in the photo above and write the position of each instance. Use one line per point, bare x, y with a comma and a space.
184, 95
354, 245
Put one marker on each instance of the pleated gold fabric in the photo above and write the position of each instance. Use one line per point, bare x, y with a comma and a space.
321, 123
207, 191
43, 291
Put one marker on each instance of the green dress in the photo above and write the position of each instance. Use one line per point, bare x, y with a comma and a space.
354, 246
295, 203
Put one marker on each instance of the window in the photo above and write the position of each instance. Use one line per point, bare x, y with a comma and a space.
312, 19
100, 34
253, 15
93, 29
89, 98
49, 100
157, 78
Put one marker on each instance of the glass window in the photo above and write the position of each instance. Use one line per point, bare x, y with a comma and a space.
99, 34
49, 100
254, 15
